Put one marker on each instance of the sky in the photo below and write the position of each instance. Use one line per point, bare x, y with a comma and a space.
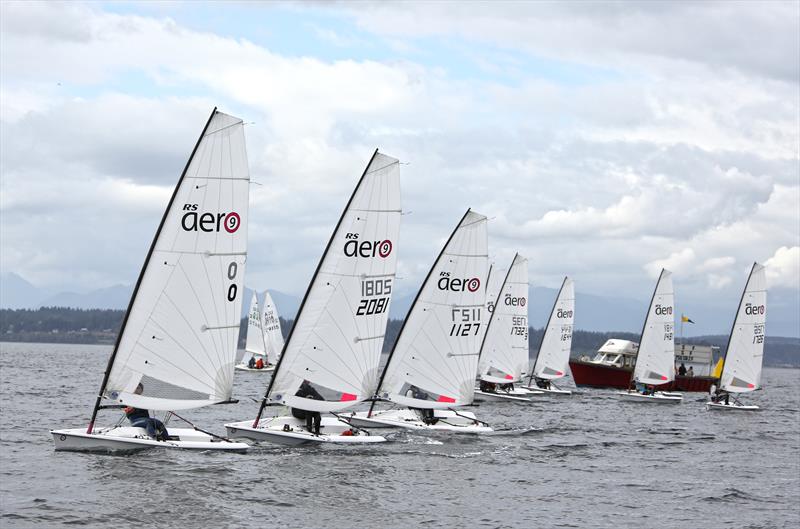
604, 140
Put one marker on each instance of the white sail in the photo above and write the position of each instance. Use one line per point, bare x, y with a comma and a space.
273, 336
743, 360
553, 358
181, 330
655, 362
504, 354
494, 283
254, 344
336, 340
435, 358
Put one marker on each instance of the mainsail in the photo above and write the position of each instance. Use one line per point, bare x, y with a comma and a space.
553, 357
655, 362
178, 340
254, 344
504, 353
271, 323
435, 357
335, 343
741, 371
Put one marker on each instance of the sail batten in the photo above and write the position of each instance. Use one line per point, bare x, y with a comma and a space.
178, 344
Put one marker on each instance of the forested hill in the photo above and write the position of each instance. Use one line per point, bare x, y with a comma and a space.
100, 326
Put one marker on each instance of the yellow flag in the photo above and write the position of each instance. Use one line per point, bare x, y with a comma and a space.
717, 369
685, 319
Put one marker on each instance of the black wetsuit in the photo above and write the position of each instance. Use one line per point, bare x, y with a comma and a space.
313, 418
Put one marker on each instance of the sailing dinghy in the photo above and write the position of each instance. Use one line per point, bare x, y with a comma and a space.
431, 368
741, 368
330, 360
504, 351
264, 336
655, 362
177, 344
255, 343
552, 360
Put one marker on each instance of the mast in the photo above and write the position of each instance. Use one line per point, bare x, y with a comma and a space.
410, 310
141, 275
547, 326
499, 294
644, 326
308, 291
735, 319
263, 329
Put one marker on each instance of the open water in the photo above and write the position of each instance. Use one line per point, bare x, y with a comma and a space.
581, 461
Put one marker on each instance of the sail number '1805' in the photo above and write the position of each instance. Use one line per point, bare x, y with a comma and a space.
375, 295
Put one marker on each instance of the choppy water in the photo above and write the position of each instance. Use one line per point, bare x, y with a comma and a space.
581, 461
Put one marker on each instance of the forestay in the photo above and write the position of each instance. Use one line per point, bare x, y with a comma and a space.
254, 344
504, 354
741, 371
273, 336
553, 358
180, 335
336, 341
435, 358
655, 362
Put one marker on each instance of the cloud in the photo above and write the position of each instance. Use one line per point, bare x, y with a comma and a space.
783, 268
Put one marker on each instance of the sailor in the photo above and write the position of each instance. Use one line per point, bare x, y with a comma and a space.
252, 363
141, 419
682, 370
690, 373
259, 363
313, 418
543, 383
487, 387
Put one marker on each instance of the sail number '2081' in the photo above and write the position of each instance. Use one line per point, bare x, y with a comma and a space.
375, 294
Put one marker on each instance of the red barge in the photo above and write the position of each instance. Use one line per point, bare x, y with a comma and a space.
611, 367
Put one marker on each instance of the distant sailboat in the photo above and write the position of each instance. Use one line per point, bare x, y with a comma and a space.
177, 344
331, 356
655, 362
741, 368
264, 338
431, 368
504, 351
255, 343
552, 360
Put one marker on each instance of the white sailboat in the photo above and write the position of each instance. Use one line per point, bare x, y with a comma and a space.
255, 343
431, 368
655, 362
330, 360
504, 351
177, 344
273, 335
741, 368
552, 360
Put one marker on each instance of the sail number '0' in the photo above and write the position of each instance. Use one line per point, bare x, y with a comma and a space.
233, 268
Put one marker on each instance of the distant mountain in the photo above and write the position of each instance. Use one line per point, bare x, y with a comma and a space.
17, 293
113, 297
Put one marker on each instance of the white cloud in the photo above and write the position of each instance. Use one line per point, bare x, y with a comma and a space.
783, 268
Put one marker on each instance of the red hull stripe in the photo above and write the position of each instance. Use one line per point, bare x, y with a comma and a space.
509, 377
442, 398
347, 397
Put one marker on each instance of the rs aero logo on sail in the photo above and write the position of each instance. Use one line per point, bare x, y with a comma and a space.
457, 284
356, 248
752, 310
665, 310
192, 220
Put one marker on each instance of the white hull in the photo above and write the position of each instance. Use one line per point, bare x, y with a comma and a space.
290, 431
243, 367
721, 406
131, 438
517, 394
657, 398
536, 390
448, 421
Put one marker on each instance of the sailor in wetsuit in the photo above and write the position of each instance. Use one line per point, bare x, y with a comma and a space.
313, 418
425, 414
141, 419
487, 387
543, 383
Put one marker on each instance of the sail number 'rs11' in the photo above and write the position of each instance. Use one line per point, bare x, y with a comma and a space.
465, 320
